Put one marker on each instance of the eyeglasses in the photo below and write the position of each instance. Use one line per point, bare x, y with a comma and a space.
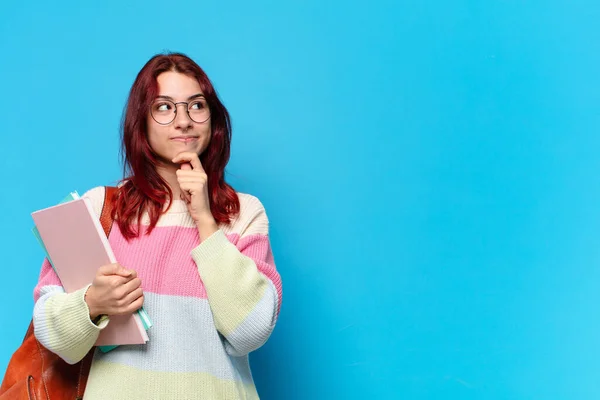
164, 111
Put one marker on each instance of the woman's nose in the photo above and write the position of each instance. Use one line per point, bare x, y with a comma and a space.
182, 119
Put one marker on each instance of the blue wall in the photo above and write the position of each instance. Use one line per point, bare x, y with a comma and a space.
429, 169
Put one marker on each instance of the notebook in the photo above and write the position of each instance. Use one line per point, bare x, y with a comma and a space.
77, 246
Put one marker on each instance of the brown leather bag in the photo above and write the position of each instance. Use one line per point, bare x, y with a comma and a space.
35, 373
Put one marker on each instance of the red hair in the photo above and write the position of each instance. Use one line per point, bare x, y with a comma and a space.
143, 189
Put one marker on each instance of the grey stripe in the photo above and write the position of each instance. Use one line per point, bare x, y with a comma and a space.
183, 338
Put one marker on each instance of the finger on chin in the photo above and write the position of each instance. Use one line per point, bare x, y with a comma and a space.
191, 158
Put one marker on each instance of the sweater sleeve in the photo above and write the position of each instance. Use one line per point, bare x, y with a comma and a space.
242, 284
62, 321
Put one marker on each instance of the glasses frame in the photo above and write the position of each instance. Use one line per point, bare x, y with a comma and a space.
187, 110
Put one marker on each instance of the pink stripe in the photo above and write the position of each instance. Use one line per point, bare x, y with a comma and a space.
47, 277
165, 266
162, 260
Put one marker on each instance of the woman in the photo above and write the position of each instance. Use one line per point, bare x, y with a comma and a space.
194, 252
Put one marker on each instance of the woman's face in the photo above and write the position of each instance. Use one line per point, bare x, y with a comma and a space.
188, 131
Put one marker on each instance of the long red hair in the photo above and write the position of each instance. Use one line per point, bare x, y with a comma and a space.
142, 189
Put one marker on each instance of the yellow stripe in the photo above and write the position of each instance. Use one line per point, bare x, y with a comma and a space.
119, 382
233, 283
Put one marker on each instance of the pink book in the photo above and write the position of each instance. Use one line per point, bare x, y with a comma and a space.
77, 246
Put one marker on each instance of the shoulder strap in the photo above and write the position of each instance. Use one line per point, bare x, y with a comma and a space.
107, 207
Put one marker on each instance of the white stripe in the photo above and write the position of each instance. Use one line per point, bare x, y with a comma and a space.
252, 218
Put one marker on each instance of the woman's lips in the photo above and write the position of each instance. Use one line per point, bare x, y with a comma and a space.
185, 139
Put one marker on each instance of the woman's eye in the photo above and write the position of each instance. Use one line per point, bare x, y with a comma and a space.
162, 107
197, 105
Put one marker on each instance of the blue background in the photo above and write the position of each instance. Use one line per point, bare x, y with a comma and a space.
429, 170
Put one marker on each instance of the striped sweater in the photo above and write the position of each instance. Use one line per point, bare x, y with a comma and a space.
211, 304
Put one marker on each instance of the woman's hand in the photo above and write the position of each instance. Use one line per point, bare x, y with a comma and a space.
114, 291
193, 183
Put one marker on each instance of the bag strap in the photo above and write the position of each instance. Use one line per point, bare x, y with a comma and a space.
107, 207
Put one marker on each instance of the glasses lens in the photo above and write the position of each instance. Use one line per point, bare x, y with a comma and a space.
198, 110
163, 111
